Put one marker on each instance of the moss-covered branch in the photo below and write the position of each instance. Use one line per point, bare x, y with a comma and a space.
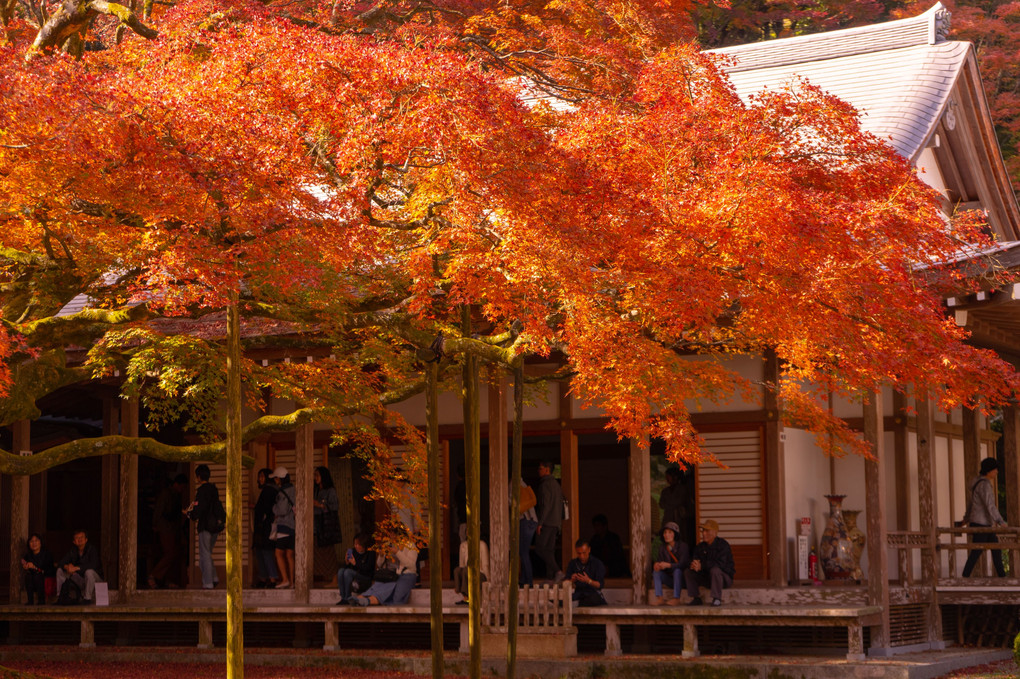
207, 452
81, 328
112, 445
72, 17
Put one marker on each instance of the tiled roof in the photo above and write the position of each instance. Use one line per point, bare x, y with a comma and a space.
899, 74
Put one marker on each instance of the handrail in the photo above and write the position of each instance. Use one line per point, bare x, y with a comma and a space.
903, 541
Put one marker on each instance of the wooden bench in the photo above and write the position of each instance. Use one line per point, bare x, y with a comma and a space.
330, 616
547, 618
854, 618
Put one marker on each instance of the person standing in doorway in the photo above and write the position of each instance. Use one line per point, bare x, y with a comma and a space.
982, 512
168, 524
208, 514
550, 519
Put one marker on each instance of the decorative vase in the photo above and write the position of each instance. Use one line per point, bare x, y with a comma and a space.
836, 550
857, 539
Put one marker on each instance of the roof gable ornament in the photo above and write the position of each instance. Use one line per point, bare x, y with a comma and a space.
938, 28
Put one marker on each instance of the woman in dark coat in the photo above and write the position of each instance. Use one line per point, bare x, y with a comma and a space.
265, 550
37, 564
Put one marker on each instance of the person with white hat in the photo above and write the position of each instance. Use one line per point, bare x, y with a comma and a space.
284, 527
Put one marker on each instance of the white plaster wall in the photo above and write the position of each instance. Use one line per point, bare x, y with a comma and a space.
850, 407
537, 405
749, 367
807, 481
928, 170
450, 409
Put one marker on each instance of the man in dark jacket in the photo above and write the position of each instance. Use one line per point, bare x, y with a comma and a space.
82, 565
588, 575
550, 518
712, 565
207, 513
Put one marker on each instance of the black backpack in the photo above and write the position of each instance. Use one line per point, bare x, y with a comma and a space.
70, 593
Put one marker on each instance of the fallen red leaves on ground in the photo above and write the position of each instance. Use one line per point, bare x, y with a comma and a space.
134, 670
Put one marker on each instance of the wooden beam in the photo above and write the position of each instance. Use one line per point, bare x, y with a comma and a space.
927, 511
874, 484
18, 507
499, 513
128, 552
775, 479
640, 490
304, 483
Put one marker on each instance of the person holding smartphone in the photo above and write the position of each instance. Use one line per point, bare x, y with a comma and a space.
356, 572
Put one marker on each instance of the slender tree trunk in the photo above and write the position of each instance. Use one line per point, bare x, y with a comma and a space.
435, 514
473, 465
235, 605
515, 522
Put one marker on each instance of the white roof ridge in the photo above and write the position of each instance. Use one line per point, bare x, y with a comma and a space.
925, 29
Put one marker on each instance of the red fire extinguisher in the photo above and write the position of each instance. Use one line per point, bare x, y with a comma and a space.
812, 565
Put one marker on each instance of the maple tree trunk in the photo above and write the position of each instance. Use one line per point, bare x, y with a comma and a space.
515, 522
473, 473
435, 514
235, 627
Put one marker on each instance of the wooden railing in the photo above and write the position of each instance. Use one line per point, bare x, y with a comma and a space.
948, 540
545, 608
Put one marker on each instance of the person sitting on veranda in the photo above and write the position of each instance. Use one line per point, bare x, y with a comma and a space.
37, 564
670, 561
460, 573
389, 590
711, 566
588, 575
359, 566
82, 566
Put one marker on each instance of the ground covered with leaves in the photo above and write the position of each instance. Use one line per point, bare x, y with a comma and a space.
132, 670
996, 670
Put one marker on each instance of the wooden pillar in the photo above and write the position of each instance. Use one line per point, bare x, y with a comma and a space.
21, 445
901, 459
972, 465
568, 477
568, 482
110, 510
927, 511
775, 476
971, 445
639, 472
128, 538
1011, 469
874, 484
304, 482
447, 495
499, 489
